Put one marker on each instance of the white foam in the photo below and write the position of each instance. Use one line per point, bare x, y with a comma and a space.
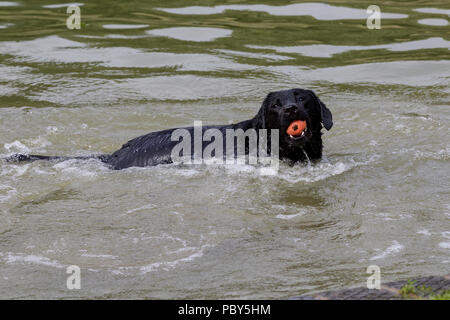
76, 168
105, 256
166, 265
38, 171
8, 192
424, 232
289, 216
33, 259
15, 170
38, 142
394, 248
442, 154
16, 147
444, 245
51, 129
187, 172
295, 174
320, 171
148, 206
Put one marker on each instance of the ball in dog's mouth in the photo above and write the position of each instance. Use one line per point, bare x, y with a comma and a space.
296, 129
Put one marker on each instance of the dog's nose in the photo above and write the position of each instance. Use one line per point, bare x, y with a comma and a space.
291, 108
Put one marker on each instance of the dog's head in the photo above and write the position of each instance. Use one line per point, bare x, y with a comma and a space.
281, 108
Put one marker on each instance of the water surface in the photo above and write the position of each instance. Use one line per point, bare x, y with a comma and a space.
380, 195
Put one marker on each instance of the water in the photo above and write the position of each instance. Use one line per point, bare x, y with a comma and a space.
380, 195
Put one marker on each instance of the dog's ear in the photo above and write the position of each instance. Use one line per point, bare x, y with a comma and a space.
326, 116
261, 115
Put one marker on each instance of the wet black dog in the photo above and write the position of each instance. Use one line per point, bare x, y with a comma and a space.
279, 109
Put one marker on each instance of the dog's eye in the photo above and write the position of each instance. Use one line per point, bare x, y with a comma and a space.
301, 98
277, 104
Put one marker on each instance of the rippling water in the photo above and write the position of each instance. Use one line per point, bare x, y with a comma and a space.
380, 196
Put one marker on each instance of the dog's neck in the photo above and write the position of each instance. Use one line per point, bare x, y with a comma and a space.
311, 151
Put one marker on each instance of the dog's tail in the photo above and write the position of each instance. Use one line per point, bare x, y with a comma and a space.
33, 157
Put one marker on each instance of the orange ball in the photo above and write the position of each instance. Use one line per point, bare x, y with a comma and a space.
296, 128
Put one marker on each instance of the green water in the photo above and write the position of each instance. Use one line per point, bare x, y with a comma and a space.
380, 196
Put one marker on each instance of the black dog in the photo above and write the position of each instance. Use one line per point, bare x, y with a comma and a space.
279, 109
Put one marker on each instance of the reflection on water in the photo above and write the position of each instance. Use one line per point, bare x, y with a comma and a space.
56, 49
433, 22
8, 4
433, 10
111, 36
125, 26
326, 51
266, 57
63, 5
408, 73
191, 33
210, 231
319, 11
